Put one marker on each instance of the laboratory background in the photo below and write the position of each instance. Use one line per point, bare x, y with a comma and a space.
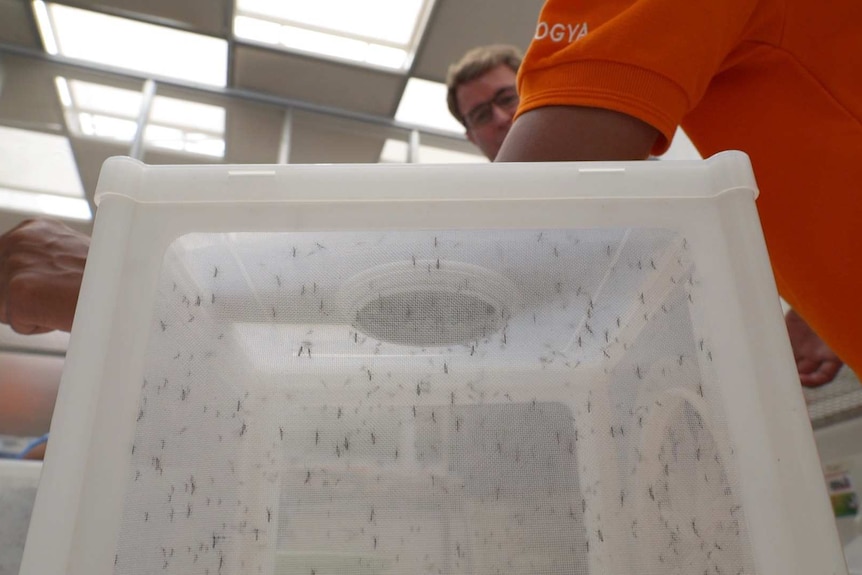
255, 82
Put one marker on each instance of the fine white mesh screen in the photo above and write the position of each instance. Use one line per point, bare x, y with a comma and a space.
441, 402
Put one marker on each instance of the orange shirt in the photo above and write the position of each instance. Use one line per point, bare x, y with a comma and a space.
778, 79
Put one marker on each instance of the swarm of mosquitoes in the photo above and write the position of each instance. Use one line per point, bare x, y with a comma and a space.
436, 467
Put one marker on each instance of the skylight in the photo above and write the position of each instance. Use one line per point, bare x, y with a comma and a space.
382, 33
109, 113
395, 151
424, 104
38, 175
132, 45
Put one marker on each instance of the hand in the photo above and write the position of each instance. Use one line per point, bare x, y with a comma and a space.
41, 268
816, 362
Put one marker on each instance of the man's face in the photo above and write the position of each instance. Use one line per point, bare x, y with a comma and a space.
488, 105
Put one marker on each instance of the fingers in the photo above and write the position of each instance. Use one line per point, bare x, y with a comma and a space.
17, 306
41, 267
815, 374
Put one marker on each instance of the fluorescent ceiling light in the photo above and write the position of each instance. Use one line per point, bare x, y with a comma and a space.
341, 29
105, 112
46, 29
176, 112
386, 56
38, 162
44, 204
38, 175
395, 151
105, 99
258, 30
324, 44
63, 91
124, 43
387, 21
424, 104
106, 127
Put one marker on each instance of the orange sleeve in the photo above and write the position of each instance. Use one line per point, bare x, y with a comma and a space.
651, 59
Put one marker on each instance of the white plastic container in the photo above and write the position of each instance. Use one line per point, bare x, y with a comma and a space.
18, 482
547, 368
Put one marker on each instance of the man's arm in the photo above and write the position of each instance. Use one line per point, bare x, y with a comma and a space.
41, 268
572, 133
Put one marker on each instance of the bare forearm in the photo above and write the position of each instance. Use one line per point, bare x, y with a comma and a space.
28, 390
570, 133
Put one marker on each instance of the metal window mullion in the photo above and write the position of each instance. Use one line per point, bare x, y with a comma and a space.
148, 94
413, 147
286, 132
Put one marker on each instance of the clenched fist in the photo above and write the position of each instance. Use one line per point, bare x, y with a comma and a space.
41, 267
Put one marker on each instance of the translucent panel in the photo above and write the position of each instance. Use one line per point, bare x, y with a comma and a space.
87, 96
44, 204
387, 20
178, 140
206, 147
38, 162
424, 104
124, 43
106, 112
386, 56
188, 115
483, 401
100, 126
258, 30
319, 43
326, 44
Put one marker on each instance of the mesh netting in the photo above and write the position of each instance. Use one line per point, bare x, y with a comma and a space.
488, 402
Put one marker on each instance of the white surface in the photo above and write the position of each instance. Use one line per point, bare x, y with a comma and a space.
18, 483
645, 324
853, 552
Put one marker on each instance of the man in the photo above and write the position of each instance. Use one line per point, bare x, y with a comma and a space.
482, 95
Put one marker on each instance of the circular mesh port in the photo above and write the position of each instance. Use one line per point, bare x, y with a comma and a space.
429, 304
428, 318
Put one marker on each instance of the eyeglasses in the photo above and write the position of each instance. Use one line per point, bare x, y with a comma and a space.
505, 98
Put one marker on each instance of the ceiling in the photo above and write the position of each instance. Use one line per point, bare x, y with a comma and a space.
339, 112
343, 112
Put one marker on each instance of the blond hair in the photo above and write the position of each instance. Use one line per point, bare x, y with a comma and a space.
475, 63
